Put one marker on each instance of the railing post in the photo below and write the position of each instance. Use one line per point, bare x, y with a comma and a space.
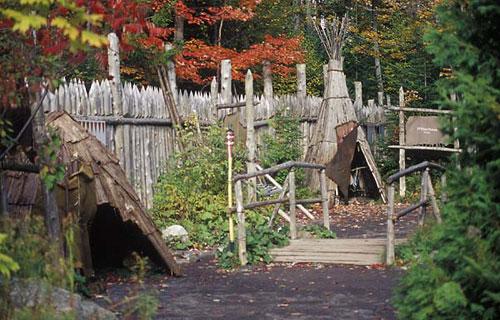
423, 196
242, 244
291, 196
389, 257
324, 199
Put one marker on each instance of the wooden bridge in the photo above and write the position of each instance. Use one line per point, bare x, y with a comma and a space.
337, 251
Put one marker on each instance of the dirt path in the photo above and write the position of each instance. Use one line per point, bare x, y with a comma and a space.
303, 291
272, 292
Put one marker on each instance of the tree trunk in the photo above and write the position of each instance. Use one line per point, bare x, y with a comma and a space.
52, 219
376, 48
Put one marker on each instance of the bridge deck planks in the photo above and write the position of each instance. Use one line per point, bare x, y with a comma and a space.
333, 251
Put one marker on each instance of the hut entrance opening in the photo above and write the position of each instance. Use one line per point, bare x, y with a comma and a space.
113, 240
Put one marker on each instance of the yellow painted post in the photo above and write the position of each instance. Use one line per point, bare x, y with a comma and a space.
230, 143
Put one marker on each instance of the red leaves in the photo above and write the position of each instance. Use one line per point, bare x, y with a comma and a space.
198, 57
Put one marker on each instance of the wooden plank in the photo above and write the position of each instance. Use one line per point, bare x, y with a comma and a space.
308, 250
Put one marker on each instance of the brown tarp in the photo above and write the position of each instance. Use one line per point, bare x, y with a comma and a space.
339, 168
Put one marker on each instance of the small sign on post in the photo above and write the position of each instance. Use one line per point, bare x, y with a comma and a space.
424, 130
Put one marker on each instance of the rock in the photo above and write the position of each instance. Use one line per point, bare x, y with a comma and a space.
176, 232
29, 293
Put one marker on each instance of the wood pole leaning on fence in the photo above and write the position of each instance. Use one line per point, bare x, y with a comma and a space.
291, 196
250, 143
423, 196
301, 81
242, 238
389, 254
432, 195
402, 142
324, 199
171, 76
116, 91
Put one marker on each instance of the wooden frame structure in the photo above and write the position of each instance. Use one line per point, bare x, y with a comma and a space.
427, 195
402, 137
293, 202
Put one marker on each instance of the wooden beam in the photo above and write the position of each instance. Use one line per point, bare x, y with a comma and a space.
233, 105
423, 196
435, 207
282, 166
444, 149
415, 206
418, 167
250, 141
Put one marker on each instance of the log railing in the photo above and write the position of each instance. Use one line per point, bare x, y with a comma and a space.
293, 202
427, 195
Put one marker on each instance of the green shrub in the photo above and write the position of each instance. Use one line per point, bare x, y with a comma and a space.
319, 231
260, 238
193, 191
285, 145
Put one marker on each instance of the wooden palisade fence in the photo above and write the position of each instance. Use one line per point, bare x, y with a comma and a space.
427, 195
134, 121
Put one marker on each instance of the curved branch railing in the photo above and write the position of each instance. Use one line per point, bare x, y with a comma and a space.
427, 195
290, 165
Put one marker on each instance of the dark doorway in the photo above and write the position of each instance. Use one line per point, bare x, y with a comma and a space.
112, 240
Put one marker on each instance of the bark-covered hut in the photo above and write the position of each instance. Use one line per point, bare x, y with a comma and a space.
338, 139
112, 222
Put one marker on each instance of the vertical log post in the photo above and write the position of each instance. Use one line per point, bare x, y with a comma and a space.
250, 143
380, 98
423, 196
268, 80
402, 153
358, 96
389, 254
291, 197
324, 199
456, 143
116, 91
242, 238
226, 79
301, 81
52, 218
325, 81
214, 97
